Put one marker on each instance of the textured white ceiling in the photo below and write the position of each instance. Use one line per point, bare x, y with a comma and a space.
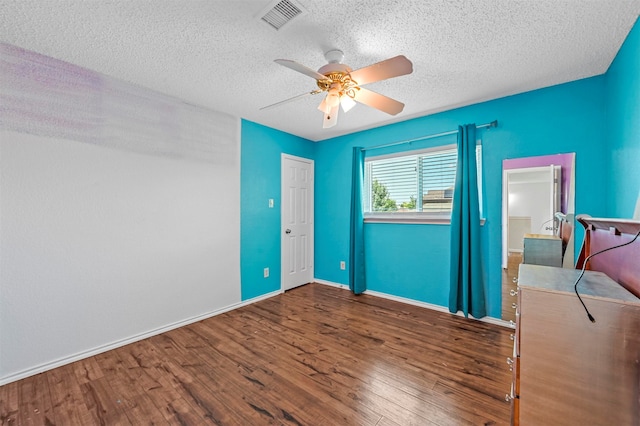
218, 55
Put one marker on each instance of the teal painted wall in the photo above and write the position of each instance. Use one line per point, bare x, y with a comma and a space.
623, 127
597, 118
412, 261
261, 148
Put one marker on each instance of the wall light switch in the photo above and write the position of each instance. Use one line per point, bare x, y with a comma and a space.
343, 266
266, 272
270, 203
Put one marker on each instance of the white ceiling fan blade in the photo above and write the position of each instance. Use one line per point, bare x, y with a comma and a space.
389, 68
315, 92
331, 119
300, 68
378, 101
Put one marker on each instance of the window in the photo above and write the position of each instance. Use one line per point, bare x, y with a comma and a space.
413, 186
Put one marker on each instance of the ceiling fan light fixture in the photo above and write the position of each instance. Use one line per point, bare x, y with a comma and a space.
324, 107
333, 98
347, 103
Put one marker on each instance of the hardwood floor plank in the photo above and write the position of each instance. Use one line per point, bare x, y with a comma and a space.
9, 404
34, 401
200, 391
324, 376
439, 355
141, 364
183, 413
260, 378
99, 400
127, 385
451, 394
67, 399
237, 391
46, 407
335, 377
315, 355
87, 370
386, 422
395, 370
478, 365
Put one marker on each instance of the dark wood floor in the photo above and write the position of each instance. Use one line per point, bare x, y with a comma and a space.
316, 355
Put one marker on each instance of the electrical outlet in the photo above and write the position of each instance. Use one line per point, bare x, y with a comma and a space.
270, 203
343, 265
266, 272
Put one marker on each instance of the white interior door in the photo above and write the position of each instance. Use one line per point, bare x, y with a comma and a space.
297, 221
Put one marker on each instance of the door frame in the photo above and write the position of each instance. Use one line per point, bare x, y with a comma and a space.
283, 157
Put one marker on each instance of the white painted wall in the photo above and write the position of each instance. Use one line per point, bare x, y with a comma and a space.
104, 243
531, 199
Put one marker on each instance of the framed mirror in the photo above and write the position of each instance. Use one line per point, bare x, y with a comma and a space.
538, 210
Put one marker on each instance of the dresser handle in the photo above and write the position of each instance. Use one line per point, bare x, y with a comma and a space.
507, 398
509, 361
514, 305
511, 336
515, 279
512, 324
513, 292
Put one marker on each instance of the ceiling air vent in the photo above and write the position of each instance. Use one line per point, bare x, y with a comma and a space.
280, 13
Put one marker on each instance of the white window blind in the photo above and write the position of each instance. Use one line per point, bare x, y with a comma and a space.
418, 182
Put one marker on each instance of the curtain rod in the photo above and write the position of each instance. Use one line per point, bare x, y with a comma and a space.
494, 123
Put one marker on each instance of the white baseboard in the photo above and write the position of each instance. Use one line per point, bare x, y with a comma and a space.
426, 305
100, 349
332, 284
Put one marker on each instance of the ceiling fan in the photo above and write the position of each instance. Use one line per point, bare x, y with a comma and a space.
344, 86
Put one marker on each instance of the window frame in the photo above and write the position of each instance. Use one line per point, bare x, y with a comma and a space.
442, 218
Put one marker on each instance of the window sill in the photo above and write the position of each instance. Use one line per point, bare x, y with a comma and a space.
409, 218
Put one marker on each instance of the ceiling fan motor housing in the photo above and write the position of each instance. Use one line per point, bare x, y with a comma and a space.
336, 73
334, 56
334, 67
335, 70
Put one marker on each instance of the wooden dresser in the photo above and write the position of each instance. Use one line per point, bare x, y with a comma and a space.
566, 369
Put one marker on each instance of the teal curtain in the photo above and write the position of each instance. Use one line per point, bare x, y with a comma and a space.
467, 289
357, 278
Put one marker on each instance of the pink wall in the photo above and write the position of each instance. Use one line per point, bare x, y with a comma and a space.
564, 160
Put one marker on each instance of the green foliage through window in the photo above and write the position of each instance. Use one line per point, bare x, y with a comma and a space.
409, 205
381, 200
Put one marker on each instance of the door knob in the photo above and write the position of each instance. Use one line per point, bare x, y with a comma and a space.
288, 231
